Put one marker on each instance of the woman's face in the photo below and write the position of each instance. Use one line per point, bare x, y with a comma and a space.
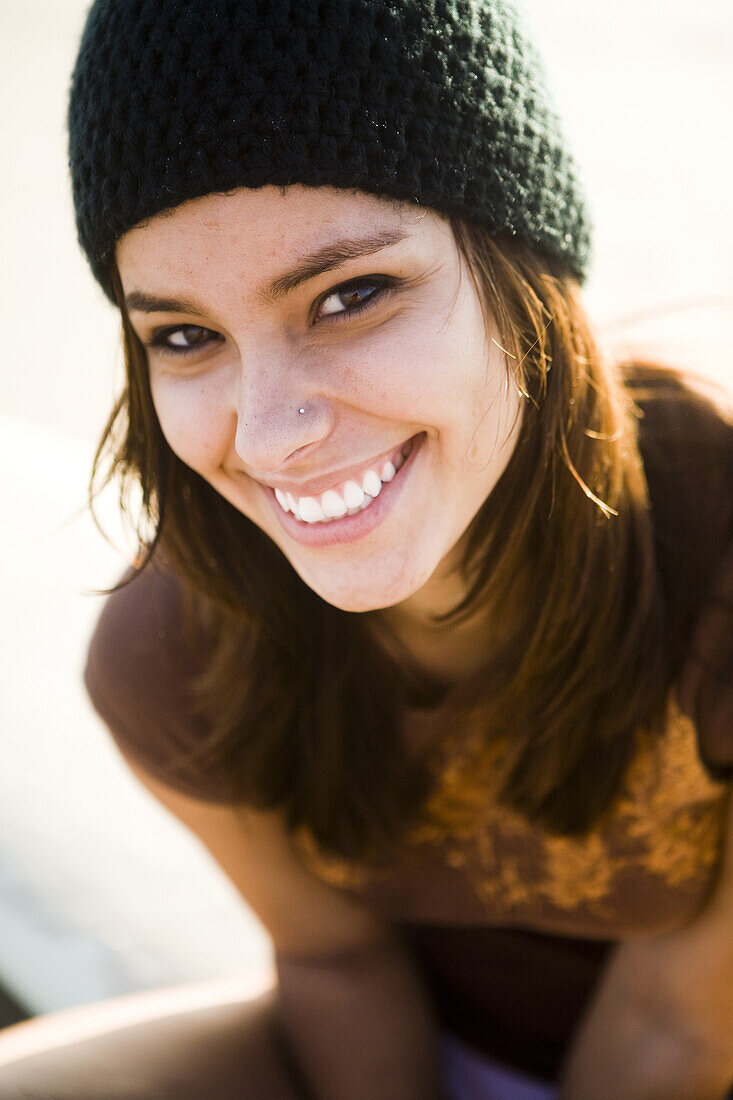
321, 358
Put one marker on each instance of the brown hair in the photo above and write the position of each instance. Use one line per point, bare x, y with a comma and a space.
303, 704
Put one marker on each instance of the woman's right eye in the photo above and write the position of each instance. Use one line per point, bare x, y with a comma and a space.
183, 339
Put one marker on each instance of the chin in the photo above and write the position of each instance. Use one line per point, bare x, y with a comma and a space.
368, 595
357, 604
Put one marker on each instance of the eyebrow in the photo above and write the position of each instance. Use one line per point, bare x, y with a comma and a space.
324, 259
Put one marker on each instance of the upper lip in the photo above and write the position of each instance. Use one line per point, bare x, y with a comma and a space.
318, 485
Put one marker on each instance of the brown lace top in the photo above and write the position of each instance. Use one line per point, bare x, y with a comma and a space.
646, 866
497, 912
511, 926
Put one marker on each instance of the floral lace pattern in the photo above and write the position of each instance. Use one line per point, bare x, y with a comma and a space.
663, 837
650, 862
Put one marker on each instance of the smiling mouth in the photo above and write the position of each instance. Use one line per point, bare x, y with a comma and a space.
354, 496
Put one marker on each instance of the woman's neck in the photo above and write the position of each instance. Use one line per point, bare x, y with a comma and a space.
451, 651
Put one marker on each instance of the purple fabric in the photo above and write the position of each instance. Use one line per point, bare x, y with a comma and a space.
467, 1075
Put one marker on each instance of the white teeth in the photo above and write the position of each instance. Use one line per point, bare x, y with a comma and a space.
353, 494
310, 510
351, 499
371, 484
332, 504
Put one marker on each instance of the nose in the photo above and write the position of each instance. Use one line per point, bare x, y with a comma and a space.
280, 417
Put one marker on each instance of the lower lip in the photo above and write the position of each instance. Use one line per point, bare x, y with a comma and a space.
350, 528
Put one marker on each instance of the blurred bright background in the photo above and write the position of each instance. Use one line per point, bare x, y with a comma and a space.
100, 891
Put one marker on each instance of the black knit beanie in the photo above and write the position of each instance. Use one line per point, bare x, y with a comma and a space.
441, 102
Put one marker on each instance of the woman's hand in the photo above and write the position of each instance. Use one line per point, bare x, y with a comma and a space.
661, 1024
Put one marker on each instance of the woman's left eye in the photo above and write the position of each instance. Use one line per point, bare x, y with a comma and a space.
354, 296
180, 339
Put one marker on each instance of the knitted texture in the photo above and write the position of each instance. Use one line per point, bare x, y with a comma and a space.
441, 102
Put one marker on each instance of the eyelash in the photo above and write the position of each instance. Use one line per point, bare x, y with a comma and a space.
382, 284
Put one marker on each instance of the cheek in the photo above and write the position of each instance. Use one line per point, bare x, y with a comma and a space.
439, 370
402, 371
483, 399
196, 424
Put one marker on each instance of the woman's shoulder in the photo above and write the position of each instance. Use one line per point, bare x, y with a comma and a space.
685, 428
139, 633
705, 685
686, 445
143, 661
686, 441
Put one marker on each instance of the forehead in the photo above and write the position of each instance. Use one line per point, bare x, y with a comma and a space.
247, 233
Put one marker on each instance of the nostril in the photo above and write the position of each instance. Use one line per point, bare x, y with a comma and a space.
305, 447
272, 434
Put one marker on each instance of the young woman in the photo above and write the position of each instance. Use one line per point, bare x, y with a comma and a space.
429, 639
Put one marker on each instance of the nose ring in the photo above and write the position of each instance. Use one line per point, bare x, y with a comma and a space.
301, 411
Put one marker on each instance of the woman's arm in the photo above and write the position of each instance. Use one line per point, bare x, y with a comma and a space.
639, 1044
351, 1002
359, 1024
661, 1024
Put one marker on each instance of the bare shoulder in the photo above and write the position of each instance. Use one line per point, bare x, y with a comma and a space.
303, 915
